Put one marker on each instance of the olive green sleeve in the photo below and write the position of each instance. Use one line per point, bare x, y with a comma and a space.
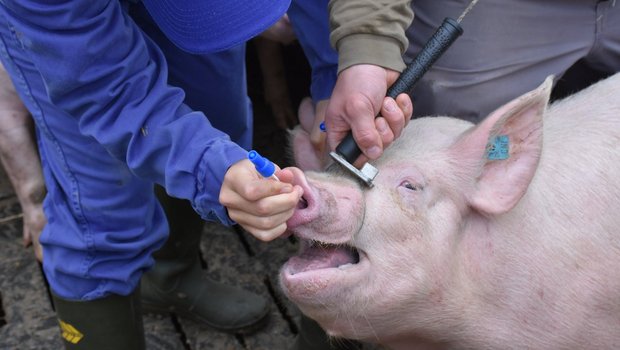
370, 32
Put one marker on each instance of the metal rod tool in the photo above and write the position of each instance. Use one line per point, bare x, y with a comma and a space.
347, 151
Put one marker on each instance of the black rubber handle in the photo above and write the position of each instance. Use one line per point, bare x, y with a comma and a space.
445, 35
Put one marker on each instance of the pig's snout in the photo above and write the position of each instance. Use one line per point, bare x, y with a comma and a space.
331, 209
307, 208
302, 204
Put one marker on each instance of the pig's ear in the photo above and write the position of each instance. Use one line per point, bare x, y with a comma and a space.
304, 154
502, 152
305, 114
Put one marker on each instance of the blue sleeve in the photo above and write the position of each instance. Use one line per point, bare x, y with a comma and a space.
99, 67
310, 21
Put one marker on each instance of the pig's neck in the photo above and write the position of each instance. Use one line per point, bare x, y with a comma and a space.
491, 306
463, 299
480, 308
519, 282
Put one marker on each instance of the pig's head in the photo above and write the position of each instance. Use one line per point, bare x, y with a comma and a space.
400, 260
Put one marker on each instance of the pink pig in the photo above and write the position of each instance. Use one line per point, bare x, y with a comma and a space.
20, 159
504, 235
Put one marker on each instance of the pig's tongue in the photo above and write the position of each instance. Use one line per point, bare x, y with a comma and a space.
322, 256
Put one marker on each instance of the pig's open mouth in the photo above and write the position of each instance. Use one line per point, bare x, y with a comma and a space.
316, 255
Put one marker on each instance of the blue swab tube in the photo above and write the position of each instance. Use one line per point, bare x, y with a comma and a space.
263, 165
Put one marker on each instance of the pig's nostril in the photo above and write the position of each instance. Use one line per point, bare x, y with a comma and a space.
302, 204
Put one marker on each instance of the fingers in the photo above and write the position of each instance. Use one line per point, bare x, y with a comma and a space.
356, 115
364, 130
267, 204
353, 105
396, 114
265, 228
387, 135
406, 106
261, 206
286, 175
393, 116
266, 218
260, 188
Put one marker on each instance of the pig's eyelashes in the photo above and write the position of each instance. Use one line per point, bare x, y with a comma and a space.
408, 185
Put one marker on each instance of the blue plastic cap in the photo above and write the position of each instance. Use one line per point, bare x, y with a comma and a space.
263, 165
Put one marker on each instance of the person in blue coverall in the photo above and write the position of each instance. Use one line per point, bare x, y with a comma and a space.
99, 78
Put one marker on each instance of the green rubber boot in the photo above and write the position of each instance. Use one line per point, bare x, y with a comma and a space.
110, 323
178, 284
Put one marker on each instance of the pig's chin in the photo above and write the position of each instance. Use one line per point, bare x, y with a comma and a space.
321, 268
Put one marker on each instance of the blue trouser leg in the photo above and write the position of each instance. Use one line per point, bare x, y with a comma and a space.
103, 222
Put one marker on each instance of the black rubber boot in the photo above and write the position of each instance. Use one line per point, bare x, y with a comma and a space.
110, 323
312, 337
178, 284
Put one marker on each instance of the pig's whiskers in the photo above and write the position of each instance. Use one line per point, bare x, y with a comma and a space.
372, 329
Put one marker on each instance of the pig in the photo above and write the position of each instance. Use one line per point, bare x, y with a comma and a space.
500, 235
20, 159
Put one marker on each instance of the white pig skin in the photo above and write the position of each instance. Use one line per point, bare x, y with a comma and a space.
457, 251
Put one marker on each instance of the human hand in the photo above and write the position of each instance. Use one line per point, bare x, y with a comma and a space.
359, 96
261, 206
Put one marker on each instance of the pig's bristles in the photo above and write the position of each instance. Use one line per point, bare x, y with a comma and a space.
363, 314
352, 325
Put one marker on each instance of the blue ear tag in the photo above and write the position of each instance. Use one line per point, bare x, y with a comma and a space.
499, 148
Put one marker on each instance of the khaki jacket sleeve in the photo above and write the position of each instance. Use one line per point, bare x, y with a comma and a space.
370, 32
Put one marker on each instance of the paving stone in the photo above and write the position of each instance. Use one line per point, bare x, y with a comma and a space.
201, 337
30, 320
229, 262
160, 333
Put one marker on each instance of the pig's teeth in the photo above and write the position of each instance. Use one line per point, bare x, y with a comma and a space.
345, 266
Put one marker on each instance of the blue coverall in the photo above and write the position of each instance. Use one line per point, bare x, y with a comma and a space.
100, 81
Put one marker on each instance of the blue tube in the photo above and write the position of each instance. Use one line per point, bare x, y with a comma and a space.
263, 165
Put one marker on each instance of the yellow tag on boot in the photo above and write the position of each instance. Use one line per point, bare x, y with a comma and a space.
69, 333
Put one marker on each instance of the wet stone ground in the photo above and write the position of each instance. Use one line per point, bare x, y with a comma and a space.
230, 255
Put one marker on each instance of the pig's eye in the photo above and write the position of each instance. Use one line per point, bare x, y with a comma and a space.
408, 185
